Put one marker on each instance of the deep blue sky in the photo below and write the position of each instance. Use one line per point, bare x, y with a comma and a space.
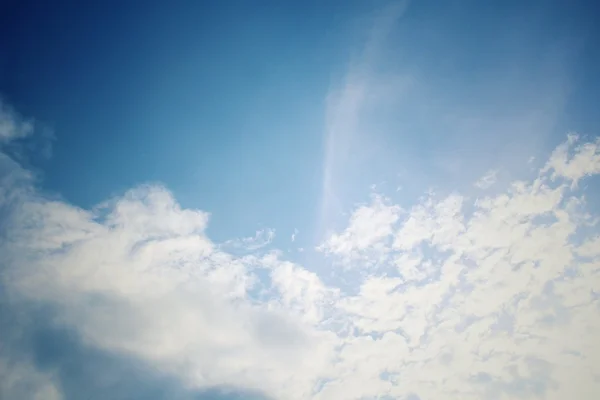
203, 98
224, 102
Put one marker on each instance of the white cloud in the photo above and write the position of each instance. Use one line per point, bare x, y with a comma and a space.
12, 126
20, 380
451, 299
590, 248
487, 180
574, 163
262, 238
510, 291
369, 227
140, 277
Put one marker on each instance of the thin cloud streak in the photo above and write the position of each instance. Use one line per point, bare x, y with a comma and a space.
342, 137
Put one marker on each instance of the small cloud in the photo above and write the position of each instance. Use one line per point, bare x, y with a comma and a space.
12, 125
22, 138
487, 180
262, 238
296, 231
574, 162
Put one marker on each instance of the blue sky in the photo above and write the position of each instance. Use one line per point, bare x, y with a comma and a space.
223, 104
264, 197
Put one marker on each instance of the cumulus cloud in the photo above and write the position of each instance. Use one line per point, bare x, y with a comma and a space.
138, 276
504, 303
451, 297
586, 161
366, 234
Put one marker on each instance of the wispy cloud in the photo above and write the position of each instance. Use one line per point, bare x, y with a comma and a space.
21, 136
262, 238
487, 180
19, 379
12, 125
343, 137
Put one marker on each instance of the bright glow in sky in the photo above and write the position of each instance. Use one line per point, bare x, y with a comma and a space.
396, 202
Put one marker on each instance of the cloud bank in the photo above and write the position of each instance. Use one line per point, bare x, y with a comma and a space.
450, 298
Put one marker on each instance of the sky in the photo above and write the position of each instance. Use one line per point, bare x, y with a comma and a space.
299, 200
